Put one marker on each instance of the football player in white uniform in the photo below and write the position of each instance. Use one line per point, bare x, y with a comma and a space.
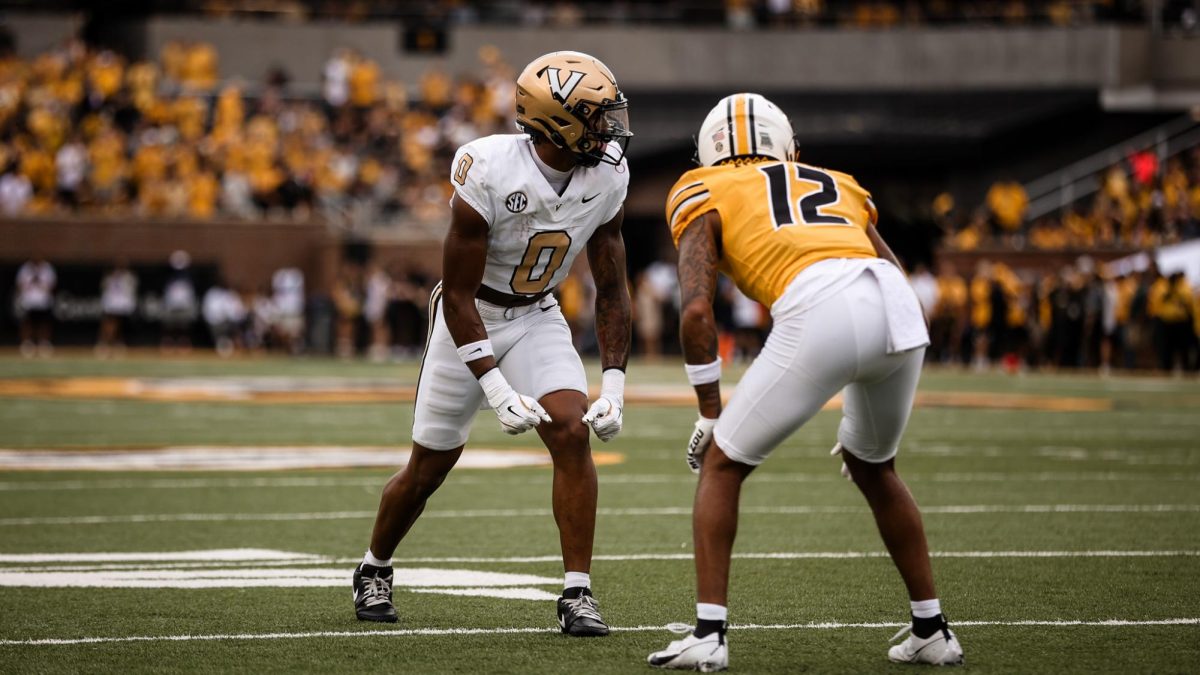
524, 206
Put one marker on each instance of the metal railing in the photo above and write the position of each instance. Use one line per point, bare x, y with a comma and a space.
1062, 188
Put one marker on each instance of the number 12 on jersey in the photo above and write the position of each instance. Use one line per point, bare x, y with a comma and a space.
817, 189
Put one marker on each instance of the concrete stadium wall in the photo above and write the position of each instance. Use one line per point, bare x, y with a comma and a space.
930, 59
1178, 62
246, 254
826, 60
37, 33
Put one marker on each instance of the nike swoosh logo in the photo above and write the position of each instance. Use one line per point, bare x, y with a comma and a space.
588, 199
514, 412
476, 350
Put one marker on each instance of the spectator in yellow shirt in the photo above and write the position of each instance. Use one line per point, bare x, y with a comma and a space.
1170, 305
947, 320
203, 190
199, 67
981, 313
364, 82
1008, 203
104, 74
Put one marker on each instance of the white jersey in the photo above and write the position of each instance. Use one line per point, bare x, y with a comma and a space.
534, 234
119, 293
35, 285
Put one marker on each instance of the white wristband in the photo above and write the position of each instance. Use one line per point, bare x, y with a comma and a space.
703, 373
612, 385
475, 350
495, 387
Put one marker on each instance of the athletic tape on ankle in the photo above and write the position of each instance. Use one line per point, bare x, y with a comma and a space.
475, 350
703, 373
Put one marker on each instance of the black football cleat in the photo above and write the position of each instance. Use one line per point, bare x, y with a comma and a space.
580, 616
373, 594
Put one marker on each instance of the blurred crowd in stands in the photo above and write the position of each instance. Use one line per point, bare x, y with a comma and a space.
733, 13
1142, 202
1081, 316
86, 130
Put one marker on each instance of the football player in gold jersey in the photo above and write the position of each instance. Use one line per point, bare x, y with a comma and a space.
802, 241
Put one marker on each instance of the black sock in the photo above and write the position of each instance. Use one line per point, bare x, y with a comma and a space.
924, 628
574, 592
708, 627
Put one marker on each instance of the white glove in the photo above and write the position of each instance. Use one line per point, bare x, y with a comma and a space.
837, 450
702, 437
518, 413
605, 415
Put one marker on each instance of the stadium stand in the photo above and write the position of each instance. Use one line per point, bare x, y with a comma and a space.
174, 133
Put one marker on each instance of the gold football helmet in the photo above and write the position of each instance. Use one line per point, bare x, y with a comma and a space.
572, 99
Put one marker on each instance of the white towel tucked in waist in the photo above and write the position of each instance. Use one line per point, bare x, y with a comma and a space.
905, 321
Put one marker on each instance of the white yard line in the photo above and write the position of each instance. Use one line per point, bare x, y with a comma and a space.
246, 555
544, 479
53, 562
50, 562
963, 509
433, 632
797, 555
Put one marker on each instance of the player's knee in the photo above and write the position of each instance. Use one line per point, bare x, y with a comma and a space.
865, 473
568, 436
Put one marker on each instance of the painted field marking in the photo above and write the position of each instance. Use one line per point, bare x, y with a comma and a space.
51, 562
615, 479
279, 389
963, 509
425, 580
214, 555
255, 458
435, 632
247, 568
797, 555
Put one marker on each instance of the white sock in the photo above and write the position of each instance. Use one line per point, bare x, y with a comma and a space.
926, 609
711, 612
371, 560
577, 580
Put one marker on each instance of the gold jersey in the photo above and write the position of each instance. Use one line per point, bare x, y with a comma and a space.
777, 218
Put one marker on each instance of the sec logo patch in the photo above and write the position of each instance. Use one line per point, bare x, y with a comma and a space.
516, 202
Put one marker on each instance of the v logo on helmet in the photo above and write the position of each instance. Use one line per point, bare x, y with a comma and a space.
561, 90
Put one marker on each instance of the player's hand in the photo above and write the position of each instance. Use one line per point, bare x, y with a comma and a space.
837, 450
519, 413
605, 418
702, 437
606, 414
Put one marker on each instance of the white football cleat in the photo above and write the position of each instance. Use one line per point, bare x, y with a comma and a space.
708, 654
940, 649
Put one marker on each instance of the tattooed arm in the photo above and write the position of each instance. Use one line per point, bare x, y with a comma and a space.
698, 254
606, 255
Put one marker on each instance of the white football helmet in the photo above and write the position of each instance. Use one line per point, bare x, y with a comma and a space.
745, 125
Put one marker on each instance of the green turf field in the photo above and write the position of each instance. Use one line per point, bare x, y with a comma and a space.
1065, 541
